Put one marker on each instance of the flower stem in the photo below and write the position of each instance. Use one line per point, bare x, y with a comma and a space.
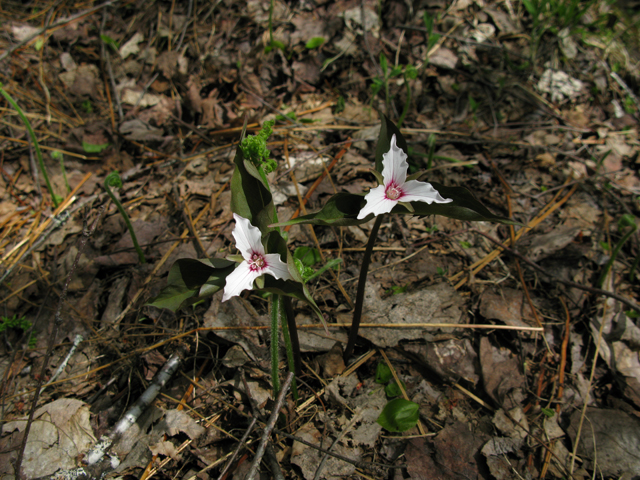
362, 282
276, 307
114, 180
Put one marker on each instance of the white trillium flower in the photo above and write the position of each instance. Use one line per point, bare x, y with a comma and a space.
256, 262
396, 188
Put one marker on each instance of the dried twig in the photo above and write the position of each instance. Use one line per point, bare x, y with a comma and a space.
269, 428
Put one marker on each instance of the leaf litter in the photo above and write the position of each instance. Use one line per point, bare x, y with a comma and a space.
516, 129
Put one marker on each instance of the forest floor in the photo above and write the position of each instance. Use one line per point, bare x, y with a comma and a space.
525, 360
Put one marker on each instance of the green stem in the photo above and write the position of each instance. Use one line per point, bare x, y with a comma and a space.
291, 343
114, 180
276, 306
36, 145
362, 281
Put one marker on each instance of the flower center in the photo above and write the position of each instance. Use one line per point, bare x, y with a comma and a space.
257, 262
393, 193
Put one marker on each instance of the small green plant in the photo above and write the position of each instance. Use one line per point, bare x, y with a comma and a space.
110, 42
272, 42
54, 198
315, 42
442, 272
432, 38
629, 105
306, 257
396, 290
21, 323
87, 106
548, 412
114, 180
465, 244
340, 104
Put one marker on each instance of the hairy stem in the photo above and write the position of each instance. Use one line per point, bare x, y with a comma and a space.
362, 282
113, 179
276, 307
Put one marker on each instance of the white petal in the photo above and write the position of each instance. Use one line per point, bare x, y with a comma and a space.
394, 164
377, 202
247, 237
276, 267
239, 280
415, 191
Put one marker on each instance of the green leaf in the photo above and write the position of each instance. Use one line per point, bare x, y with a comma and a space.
392, 390
110, 42
548, 412
309, 256
383, 373
92, 148
315, 42
399, 415
190, 281
250, 195
383, 63
342, 209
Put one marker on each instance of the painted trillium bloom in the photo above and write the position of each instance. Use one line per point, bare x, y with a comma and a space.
396, 188
256, 262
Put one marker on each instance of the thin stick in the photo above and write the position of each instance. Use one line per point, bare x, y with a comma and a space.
253, 470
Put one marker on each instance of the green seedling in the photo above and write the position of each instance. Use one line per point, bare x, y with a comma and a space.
548, 412
87, 106
54, 198
114, 180
315, 42
272, 42
94, 148
432, 38
626, 222
110, 42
